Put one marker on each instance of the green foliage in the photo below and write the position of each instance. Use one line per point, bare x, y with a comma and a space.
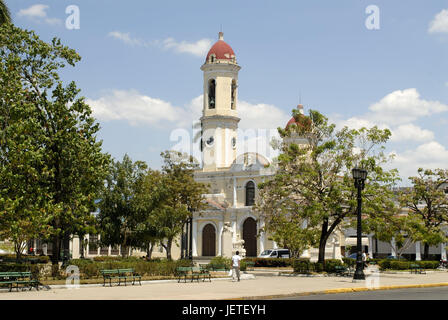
91, 269
119, 217
349, 262
25, 259
302, 266
220, 262
312, 192
51, 164
428, 207
271, 262
390, 264
5, 15
330, 265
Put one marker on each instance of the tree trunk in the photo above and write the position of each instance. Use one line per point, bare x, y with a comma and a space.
323, 242
168, 248
149, 249
426, 252
56, 250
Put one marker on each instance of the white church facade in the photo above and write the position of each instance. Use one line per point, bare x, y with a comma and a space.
229, 223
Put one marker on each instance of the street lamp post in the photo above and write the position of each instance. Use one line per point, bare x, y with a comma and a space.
359, 175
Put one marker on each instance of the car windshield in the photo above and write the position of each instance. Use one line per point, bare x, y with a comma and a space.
266, 252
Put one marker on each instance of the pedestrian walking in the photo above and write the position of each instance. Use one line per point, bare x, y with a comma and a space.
236, 266
364, 259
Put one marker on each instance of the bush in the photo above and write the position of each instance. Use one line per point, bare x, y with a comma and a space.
25, 258
219, 262
428, 264
271, 262
330, 265
302, 266
389, 264
107, 258
349, 262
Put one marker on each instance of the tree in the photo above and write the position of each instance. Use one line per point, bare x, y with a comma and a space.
427, 202
149, 197
181, 196
48, 131
5, 15
400, 231
313, 186
119, 214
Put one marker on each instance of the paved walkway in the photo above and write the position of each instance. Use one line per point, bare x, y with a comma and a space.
258, 287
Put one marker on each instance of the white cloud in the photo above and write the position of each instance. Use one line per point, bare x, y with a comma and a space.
411, 132
430, 155
261, 116
198, 48
403, 106
439, 23
126, 38
38, 13
137, 109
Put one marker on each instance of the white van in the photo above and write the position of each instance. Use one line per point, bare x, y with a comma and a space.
275, 253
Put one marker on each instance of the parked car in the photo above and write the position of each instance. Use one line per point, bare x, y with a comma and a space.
275, 253
352, 256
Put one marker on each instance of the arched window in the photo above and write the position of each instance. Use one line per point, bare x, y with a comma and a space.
233, 93
250, 193
211, 94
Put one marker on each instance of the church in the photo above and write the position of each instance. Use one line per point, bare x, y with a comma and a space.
228, 224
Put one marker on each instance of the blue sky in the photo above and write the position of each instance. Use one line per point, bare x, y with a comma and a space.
141, 59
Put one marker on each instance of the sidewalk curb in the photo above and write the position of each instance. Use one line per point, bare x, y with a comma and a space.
342, 290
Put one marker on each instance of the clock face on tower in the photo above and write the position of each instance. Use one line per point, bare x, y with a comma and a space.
210, 141
233, 142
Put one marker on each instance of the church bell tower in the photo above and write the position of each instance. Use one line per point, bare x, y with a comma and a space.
219, 119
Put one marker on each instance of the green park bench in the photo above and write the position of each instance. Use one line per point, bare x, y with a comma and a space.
205, 272
219, 267
120, 274
415, 268
18, 278
342, 271
182, 272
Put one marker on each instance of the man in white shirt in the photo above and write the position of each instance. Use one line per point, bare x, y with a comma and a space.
236, 266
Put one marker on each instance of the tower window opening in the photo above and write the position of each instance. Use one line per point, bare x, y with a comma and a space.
233, 100
211, 94
250, 193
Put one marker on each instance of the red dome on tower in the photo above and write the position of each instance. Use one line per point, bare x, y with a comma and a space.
221, 50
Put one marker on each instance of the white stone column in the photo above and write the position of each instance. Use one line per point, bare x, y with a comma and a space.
371, 247
262, 235
220, 228
418, 251
234, 193
194, 247
394, 253
234, 229
443, 251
